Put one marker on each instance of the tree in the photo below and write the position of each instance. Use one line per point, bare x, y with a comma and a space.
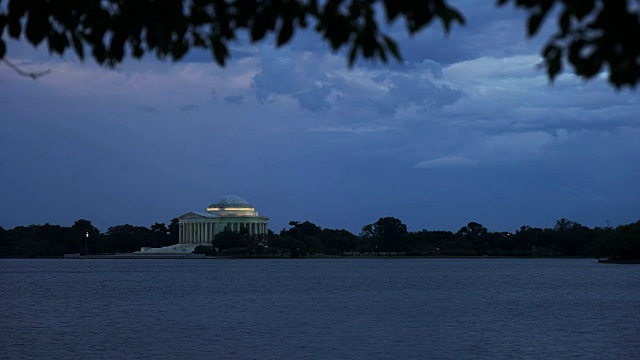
387, 234
337, 242
228, 239
591, 35
473, 231
128, 238
160, 234
309, 235
174, 231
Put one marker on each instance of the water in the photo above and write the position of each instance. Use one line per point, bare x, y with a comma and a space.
319, 309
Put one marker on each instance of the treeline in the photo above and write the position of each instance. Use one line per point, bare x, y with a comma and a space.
386, 237
389, 236
54, 241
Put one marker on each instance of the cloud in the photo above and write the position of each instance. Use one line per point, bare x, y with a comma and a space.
352, 129
321, 84
188, 107
446, 161
315, 99
234, 99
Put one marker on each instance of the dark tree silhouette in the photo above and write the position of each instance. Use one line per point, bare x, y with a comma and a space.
591, 35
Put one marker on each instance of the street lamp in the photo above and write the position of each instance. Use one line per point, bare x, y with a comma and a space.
295, 224
86, 247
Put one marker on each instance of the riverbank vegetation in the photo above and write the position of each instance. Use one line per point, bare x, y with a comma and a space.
386, 237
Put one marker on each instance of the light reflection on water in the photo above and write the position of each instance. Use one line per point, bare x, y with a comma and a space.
343, 308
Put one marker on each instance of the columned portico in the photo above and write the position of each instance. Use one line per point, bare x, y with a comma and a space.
230, 212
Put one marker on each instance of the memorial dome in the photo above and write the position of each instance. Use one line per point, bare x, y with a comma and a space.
230, 202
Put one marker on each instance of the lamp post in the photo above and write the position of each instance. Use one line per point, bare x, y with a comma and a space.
295, 224
86, 247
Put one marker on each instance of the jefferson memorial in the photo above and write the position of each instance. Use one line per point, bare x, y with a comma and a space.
232, 212
199, 228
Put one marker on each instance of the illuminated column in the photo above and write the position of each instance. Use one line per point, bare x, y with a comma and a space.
184, 233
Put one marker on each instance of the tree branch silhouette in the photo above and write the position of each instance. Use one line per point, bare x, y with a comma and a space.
33, 75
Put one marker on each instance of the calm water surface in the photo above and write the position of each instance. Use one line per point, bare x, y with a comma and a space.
319, 309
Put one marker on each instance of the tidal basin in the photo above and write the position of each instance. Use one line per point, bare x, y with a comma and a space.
319, 309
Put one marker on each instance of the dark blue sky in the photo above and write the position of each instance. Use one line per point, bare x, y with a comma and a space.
468, 129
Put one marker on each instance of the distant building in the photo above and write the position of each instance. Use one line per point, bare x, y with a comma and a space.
230, 211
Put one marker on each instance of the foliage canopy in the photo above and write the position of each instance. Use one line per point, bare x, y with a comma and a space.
591, 35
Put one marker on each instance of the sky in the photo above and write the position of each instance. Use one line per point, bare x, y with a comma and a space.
466, 128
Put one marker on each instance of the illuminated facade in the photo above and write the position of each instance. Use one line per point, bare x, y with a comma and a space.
231, 212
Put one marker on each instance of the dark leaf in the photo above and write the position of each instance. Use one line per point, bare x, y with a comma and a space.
3, 49
564, 22
77, 45
57, 42
554, 65
37, 26
219, 49
138, 51
285, 33
393, 9
393, 47
534, 23
14, 29
99, 53
352, 55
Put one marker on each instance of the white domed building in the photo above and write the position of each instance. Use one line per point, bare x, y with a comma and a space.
230, 211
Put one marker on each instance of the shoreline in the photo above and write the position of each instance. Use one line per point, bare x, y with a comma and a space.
203, 257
